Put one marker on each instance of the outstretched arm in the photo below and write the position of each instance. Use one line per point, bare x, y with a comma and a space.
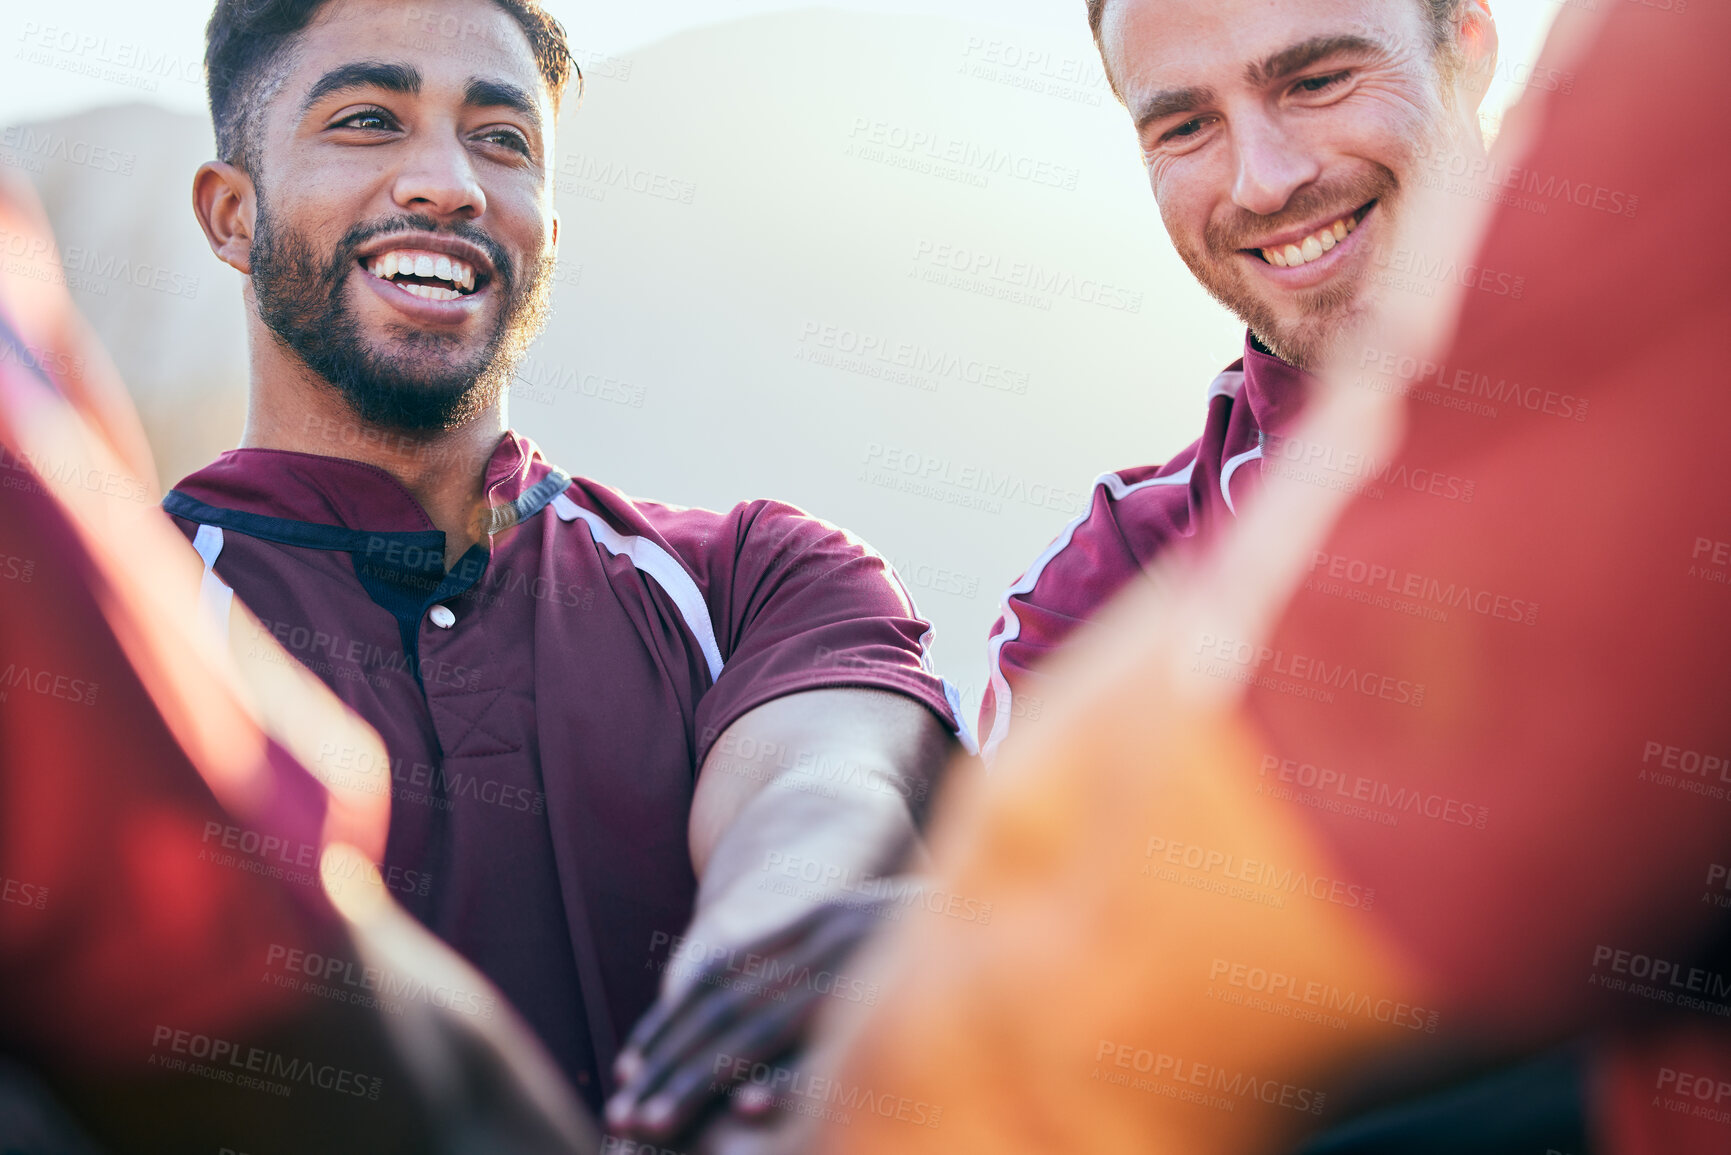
803, 808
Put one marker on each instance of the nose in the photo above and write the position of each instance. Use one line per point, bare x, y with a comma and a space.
438, 180
1272, 164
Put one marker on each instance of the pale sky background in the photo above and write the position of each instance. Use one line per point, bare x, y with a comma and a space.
173, 30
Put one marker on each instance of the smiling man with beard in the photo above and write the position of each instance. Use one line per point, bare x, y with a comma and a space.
603, 715
1281, 143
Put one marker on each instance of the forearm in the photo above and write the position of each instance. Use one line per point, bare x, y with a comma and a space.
801, 805
795, 845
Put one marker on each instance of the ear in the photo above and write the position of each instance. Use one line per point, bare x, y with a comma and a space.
226, 204
1476, 42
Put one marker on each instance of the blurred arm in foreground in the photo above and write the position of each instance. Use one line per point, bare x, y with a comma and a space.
194, 952
1395, 785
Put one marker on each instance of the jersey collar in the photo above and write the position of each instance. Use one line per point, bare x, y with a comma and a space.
338, 493
1274, 389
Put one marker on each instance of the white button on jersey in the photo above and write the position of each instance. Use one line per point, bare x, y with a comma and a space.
442, 617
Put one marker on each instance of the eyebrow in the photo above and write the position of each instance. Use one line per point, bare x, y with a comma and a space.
1304, 54
480, 93
403, 78
406, 79
1170, 102
1173, 101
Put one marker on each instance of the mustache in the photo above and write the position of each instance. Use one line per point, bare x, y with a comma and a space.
349, 244
1241, 229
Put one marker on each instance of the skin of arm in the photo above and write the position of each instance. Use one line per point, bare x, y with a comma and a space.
827, 785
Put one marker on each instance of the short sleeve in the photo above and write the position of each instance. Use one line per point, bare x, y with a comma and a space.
1131, 517
799, 604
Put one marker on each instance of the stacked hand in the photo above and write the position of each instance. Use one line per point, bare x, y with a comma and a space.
725, 1044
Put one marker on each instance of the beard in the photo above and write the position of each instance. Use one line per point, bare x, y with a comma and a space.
412, 380
1325, 313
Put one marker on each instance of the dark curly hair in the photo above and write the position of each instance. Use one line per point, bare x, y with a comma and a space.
248, 44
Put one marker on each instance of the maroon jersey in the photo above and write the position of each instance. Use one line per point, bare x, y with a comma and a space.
1134, 515
547, 704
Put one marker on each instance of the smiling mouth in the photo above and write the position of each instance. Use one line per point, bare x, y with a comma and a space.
430, 276
1314, 246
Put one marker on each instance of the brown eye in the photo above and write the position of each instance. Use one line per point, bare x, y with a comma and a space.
374, 119
1316, 84
508, 138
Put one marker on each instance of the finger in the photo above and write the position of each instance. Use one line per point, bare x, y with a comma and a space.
677, 1036
752, 1100
682, 1035
790, 983
710, 1080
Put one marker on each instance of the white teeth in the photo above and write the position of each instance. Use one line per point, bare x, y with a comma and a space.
1311, 247
431, 292
422, 264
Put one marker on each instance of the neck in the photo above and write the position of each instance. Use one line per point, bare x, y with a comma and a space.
290, 408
